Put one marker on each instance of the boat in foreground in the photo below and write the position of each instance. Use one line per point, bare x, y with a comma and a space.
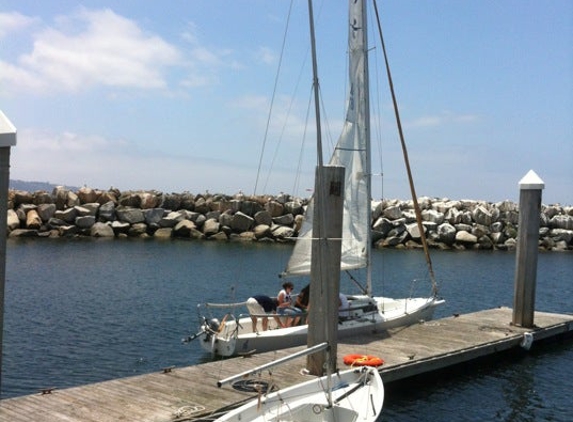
357, 395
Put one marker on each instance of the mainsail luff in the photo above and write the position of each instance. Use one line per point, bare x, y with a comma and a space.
352, 152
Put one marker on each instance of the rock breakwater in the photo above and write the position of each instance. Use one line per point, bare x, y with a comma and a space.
449, 224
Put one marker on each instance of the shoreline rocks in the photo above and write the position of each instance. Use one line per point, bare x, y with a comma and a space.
448, 224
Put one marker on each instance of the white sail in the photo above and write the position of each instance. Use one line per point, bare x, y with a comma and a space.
352, 151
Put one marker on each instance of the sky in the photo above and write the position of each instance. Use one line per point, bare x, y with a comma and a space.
184, 95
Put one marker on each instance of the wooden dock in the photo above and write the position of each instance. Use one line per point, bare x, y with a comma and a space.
191, 393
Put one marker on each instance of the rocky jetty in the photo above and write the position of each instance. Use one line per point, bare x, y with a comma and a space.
449, 224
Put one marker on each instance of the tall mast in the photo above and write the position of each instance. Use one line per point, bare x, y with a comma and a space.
315, 86
368, 169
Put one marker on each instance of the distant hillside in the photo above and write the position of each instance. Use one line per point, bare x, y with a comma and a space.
36, 186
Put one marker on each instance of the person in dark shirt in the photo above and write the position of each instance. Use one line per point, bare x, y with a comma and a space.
302, 298
302, 302
259, 306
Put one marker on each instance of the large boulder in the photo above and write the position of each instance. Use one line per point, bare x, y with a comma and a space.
46, 211
108, 196
147, 200
383, 226
130, 215
153, 215
60, 195
33, 220
482, 215
263, 217
464, 237
174, 217
294, 208
68, 215
392, 212
202, 206
262, 230
163, 233
72, 199
275, 208
87, 195
433, 216
137, 230
23, 233
282, 233
561, 222
22, 197
120, 227
13, 220
446, 233
284, 220
183, 228
211, 227
85, 222
101, 230
107, 211
187, 201
414, 231
42, 197
242, 222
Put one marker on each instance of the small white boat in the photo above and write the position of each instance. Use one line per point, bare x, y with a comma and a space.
348, 396
357, 395
367, 315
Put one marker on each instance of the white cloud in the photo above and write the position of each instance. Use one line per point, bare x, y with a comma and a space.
75, 159
203, 61
266, 55
443, 118
14, 21
19, 76
93, 48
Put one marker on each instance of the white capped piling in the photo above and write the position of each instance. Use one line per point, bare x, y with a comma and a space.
7, 140
527, 249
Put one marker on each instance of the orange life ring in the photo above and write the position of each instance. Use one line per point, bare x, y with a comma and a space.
362, 360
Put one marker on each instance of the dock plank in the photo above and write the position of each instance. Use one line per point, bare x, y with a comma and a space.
192, 392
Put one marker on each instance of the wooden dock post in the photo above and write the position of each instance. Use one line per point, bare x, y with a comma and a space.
7, 140
527, 249
325, 267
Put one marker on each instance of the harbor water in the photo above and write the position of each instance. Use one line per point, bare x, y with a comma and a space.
80, 311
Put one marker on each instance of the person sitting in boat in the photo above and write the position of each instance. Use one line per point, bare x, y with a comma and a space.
343, 307
285, 306
259, 306
301, 302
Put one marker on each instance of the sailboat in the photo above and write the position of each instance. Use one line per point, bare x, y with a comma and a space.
233, 335
351, 395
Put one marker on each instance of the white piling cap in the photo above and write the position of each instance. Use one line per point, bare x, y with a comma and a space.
531, 181
7, 132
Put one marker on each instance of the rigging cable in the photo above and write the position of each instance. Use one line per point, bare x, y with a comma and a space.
406, 160
272, 99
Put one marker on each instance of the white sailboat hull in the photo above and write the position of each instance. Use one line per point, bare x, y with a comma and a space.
357, 395
368, 315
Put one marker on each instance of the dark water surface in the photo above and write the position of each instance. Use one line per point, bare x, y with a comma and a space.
86, 310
